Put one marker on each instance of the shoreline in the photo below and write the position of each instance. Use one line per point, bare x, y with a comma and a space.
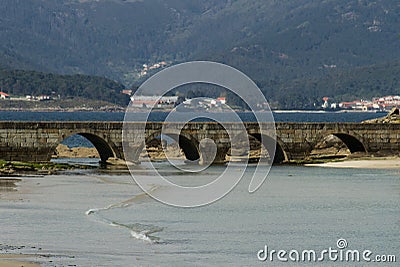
384, 163
66, 110
123, 109
17, 260
15, 170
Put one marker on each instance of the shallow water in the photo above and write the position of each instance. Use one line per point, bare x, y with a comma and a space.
88, 218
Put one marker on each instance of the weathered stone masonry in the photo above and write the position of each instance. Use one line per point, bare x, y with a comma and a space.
36, 141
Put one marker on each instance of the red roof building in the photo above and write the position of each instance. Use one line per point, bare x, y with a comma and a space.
4, 95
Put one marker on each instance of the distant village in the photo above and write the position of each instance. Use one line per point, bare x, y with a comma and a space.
147, 68
169, 102
377, 104
5, 96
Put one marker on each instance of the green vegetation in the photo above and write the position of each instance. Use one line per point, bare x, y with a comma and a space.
33, 166
297, 51
14, 167
69, 104
358, 83
346, 85
21, 83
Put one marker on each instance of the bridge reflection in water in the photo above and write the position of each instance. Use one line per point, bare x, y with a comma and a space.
37, 141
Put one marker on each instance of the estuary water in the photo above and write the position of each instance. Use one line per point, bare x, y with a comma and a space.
102, 218
92, 218
284, 116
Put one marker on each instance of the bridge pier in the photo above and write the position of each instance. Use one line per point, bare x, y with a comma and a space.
133, 153
37, 141
24, 154
211, 153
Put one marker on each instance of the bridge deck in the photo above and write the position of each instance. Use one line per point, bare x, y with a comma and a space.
37, 140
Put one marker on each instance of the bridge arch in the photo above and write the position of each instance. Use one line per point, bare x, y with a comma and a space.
352, 142
280, 150
188, 144
104, 148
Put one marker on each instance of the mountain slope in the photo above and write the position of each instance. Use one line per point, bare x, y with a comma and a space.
363, 82
294, 39
33, 83
272, 41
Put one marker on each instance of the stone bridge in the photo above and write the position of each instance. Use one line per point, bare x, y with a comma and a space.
37, 141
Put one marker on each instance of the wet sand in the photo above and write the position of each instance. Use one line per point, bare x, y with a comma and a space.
370, 163
13, 260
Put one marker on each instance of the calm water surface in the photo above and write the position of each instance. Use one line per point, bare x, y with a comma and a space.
159, 116
99, 219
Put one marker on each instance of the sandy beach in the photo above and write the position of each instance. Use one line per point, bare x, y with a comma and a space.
370, 163
14, 260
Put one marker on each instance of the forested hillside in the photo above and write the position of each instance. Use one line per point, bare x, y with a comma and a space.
21, 83
358, 83
282, 44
